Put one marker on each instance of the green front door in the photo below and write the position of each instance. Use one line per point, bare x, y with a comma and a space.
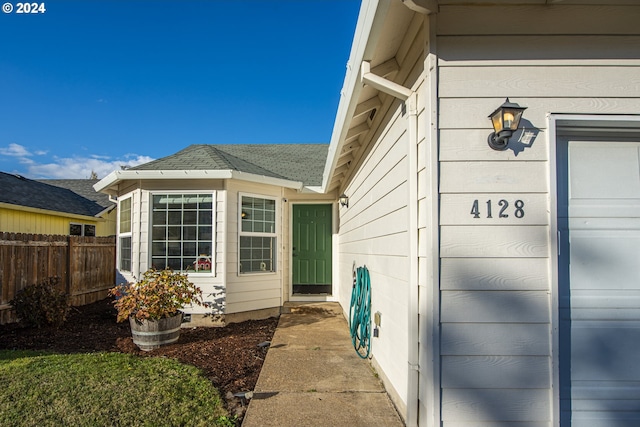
311, 251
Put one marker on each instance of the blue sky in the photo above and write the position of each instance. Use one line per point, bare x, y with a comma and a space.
92, 85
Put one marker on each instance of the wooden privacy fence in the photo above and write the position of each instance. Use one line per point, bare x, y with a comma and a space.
86, 266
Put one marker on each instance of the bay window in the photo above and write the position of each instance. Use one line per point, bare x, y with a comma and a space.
182, 232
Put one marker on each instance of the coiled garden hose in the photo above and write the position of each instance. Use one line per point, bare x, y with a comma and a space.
360, 313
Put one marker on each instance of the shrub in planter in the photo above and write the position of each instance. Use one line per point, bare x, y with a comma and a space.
42, 304
158, 295
153, 305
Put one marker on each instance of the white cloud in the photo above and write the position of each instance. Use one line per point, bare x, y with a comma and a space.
15, 150
81, 167
77, 167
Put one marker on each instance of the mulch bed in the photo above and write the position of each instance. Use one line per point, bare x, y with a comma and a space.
229, 356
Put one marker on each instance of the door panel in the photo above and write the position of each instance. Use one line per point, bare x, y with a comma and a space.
599, 273
311, 251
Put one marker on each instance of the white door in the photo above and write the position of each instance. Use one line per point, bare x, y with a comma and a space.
599, 280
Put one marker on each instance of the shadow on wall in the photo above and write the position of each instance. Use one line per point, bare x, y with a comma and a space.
216, 301
120, 279
496, 355
523, 138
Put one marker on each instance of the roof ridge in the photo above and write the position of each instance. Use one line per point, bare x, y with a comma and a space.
216, 155
236, 161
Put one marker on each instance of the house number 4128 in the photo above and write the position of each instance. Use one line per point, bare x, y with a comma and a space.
503, 209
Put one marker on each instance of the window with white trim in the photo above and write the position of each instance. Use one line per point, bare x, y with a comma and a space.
124, 235
182, 232
257, 242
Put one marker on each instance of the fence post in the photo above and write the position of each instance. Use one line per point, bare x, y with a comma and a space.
70, 264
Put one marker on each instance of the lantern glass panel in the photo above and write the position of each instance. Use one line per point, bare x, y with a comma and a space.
496, 120
512, 118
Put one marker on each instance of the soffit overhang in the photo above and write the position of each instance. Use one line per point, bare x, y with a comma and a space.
110, 183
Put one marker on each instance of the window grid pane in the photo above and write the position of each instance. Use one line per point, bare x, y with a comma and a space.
257, 253
89, 230
75, 229
258, 215
180, 224
125, 216
125, 253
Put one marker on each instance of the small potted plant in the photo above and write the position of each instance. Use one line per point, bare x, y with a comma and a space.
153, 305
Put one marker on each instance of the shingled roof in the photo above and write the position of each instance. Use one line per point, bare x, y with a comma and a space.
51, 195
84, 188
295, 162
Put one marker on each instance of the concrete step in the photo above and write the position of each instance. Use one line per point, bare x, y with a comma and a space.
311, 308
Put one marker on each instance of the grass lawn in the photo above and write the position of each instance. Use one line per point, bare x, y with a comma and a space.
104, 389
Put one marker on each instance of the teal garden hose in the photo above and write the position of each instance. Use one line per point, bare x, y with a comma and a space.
360, 313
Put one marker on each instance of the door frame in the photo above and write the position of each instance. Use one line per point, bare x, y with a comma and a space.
334, 235
568, 123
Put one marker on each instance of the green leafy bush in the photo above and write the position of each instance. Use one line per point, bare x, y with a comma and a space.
160, 294
41, 304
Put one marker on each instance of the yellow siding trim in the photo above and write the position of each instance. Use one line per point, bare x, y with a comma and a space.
21, 219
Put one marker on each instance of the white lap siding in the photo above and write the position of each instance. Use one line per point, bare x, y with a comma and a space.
374, 233
495, 286
252, 291
374, 229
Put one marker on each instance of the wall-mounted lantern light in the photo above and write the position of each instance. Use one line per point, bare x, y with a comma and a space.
505, 121
344, 200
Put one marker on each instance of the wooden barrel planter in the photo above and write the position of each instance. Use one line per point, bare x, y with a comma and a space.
150, 334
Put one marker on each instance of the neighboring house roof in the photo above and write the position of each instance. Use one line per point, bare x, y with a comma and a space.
296, 162
288, 165
51, 195
83, 187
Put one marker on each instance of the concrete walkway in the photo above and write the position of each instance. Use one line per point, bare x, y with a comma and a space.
313, 377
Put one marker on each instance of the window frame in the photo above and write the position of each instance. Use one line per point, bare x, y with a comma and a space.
82, 229
126, 234
273, 234
212, 193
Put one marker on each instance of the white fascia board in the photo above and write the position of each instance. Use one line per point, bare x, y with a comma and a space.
312, 189
368, 29
124, 175
116, 177
105, 182
105, 211
278, 182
